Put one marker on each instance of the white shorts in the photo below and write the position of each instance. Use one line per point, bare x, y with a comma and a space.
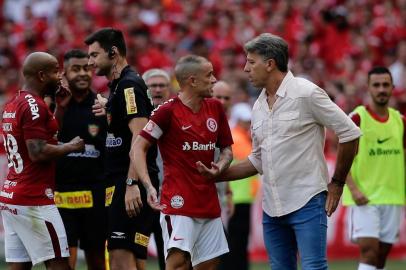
33, 233
203, 238
376, 221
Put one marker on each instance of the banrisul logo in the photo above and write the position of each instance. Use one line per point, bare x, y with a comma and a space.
383, 152
196, 146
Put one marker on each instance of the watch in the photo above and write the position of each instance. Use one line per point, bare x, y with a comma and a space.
131, 182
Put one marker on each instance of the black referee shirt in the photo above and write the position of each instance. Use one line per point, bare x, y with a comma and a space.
87, 167
128, 99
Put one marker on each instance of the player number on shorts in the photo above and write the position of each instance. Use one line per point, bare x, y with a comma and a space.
14, 158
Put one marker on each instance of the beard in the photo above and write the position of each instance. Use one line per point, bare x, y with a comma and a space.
104, 70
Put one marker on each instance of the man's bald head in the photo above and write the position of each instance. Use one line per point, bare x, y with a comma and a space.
223, 92
38, 61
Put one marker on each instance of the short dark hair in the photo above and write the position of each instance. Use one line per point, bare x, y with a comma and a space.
270, 46
187, 66
380, 70
108, 38
75, 53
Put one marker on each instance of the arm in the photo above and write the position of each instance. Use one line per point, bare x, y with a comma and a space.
358, 197
238, 171
39, 150
133, 203
345, 156
62, 98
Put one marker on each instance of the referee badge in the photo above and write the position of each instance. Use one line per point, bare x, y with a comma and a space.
93, 130
130, 103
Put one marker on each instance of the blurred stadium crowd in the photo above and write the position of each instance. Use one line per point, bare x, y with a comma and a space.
332, 42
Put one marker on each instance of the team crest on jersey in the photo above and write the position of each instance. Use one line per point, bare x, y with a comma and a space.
93, 129
109, 118
211, 124
177, 202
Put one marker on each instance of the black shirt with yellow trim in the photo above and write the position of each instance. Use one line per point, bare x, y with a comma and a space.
128, 99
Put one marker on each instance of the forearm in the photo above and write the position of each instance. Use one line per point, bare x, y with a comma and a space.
238, 171
40, 150
226, 156
345, 156
139, 161
351, 184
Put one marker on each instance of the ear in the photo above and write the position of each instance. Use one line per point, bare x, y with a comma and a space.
270, 64
192, 80
41, 75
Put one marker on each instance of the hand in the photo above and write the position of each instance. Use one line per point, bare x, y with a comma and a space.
77, 144
211, 173
99, 107
133, 203
359, 198
63, 95
152, 199
333, 197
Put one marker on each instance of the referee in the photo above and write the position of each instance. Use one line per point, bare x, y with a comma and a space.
128, 109
80, 194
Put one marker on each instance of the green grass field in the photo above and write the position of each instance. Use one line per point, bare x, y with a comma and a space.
334, 265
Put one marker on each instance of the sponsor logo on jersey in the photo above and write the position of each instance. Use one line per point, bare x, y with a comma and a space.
130, 103
109, 195
141, 239
196, 146
90, 152
7, 127
33, 106
74, 199
8, 184
383, 152
93, 129
8, 195
383, 140
117, 235
112, 141
177, 201
211, 124
186, 127
7, 115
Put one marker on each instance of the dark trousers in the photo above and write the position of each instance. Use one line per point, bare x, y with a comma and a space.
238, 233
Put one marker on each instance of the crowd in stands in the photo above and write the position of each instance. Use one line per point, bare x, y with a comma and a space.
332, 42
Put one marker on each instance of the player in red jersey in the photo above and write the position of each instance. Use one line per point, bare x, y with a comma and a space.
33, 228
187, 129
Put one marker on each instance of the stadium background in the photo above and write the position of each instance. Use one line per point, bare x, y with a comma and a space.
332, 42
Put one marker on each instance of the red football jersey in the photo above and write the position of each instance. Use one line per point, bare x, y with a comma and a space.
185, 137
26, 116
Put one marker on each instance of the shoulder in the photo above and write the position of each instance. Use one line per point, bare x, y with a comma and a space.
212, 102
301, 87
166, 107
132, 80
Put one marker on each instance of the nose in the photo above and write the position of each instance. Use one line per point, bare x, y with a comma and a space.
246, 69
90, 62
213, 79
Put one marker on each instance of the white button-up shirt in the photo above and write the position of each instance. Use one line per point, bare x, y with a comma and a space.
288, 143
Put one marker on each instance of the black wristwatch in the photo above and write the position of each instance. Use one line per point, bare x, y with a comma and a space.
131, 182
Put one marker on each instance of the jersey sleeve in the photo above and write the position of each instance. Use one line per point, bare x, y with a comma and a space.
224, 137
355, 118
34, 123
158, 123
133, 102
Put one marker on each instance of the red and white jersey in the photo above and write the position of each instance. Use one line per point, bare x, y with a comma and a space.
185, 137
26, 116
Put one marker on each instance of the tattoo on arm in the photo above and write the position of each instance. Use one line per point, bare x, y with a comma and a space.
35, 147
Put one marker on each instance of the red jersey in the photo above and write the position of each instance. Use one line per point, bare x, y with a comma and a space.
26, 116
185, 137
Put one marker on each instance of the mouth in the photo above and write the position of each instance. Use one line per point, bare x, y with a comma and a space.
157, 97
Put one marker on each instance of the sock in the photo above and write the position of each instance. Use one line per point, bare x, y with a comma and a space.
363, 266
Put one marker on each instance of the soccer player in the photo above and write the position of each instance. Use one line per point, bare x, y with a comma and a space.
80, 195
33, 228
128, 109
376, 185
187, 129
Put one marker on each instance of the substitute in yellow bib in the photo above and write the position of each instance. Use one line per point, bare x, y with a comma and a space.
376, 185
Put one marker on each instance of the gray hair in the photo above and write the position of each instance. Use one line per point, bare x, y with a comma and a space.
187, 66
270, 46
155, 72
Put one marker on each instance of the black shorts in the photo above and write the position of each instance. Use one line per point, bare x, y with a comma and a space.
87, 227
130, 233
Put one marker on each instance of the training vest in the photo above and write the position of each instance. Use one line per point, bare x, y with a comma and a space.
378, 168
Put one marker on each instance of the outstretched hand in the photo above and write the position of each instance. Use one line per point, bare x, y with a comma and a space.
152, 199
209, 173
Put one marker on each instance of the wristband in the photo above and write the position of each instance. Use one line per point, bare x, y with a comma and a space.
337, 182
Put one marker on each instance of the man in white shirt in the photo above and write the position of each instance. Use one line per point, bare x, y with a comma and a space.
288, 123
